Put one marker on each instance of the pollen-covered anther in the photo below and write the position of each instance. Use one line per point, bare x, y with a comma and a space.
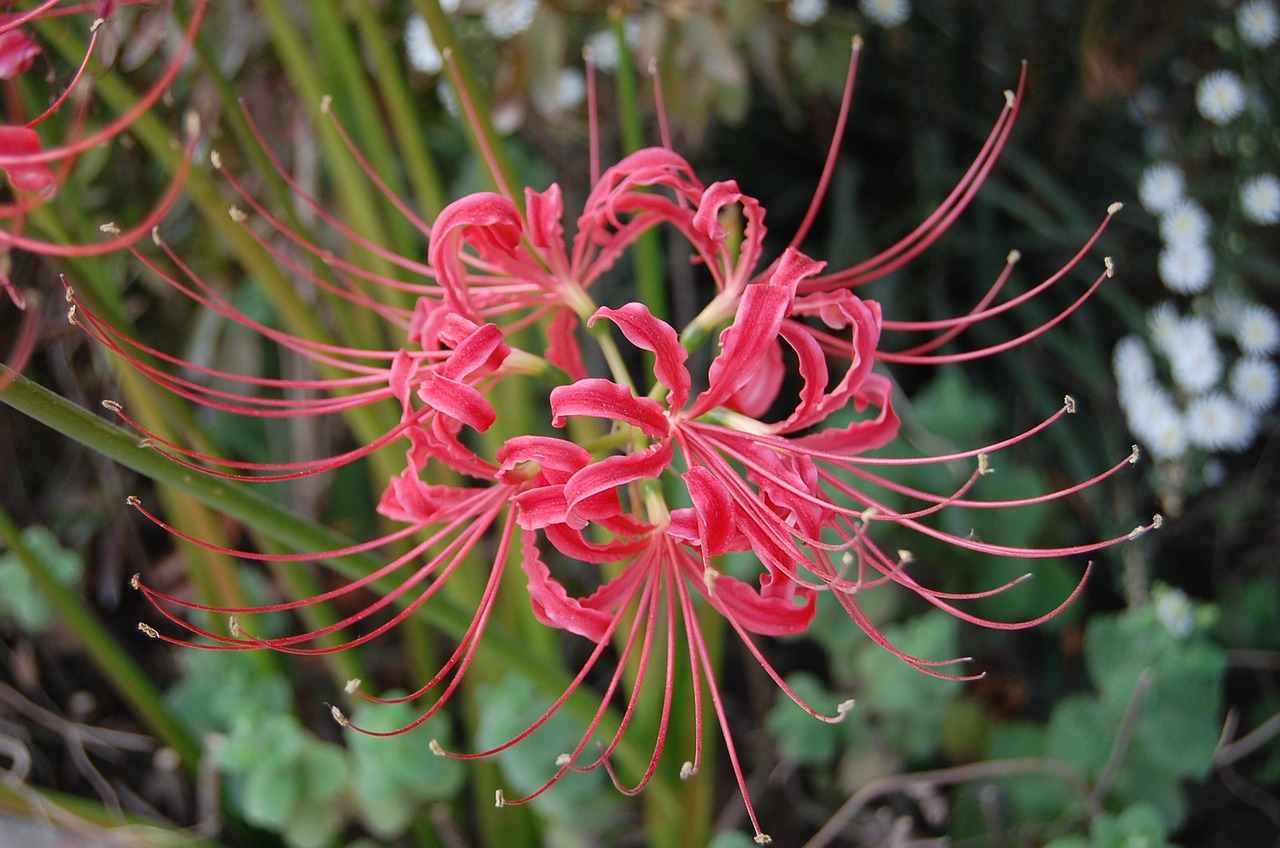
1009, 99
135, 582
905, 557
844, 708
436, 748
563, 760
191, 123
762, 839
339, 716
146, 443
155, 237
687, 770
71, 315
133, 501
984, 465
868, 515
97, 22
1014, 257
1156, 521
109, 228
326, 104
353, 685
1133, 457
1110, 266
112, 406
148, 630
215, 159
1070, 403
846, 559
1114, 208
233, 627
237, 214
856, 43
499, 800
709, 577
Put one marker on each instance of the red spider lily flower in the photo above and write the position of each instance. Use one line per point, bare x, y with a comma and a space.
672, 481
36, 166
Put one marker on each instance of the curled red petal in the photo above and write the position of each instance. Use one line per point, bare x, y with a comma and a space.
583, 488
601, 398
659, 338
766, 613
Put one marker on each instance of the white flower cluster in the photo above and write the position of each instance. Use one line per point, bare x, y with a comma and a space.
1205, 372
1205, 405
1186, 262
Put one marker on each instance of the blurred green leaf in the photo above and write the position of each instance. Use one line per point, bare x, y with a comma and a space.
20, 599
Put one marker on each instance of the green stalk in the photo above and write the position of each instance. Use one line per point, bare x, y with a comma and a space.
126, 677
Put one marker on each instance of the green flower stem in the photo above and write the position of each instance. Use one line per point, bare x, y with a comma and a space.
499, 649
126, 677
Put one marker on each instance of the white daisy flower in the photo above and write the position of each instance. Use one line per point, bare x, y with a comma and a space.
1156, 422
506, 19
1185, 221
1194, 359
420, 47
886, 13
1161, 186
603, 45
1255, 382
1220, 97
1258, 23
1132, 363
566, 92
1258, 332
1163, 321
1186, 267
1260, 198
1215, 422
1174, 611
806, 12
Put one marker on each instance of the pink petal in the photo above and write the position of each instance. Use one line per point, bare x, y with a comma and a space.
17, 52
860, 436
773, 614
457, 400
607, 475
17, 144
606, 399
714, 510
659, 338
488, 222
551, 602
